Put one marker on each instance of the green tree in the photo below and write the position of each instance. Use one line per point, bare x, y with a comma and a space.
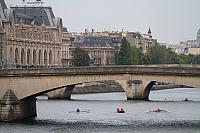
159, 55
129, 55
135, 56
146, 59
195, 59
80, 57
183, 59
124, 56
173, 57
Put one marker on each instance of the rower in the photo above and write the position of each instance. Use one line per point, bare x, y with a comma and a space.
78, 110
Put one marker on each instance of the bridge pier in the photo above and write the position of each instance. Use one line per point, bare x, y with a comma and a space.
12, 109
136, 89
63, 93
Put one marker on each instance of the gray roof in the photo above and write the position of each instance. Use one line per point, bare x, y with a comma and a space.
39, 14
97, 40
94, 41
135, 34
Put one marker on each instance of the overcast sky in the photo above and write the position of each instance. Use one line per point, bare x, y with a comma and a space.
170, 20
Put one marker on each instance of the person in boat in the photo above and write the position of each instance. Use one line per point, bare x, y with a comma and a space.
186, 99
120, 110
165, 100
157, 110
78, 110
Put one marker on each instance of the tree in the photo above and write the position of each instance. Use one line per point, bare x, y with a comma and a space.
124, 56
173, 57
80, 57
129, 55
159, 55
195, 59
135, 56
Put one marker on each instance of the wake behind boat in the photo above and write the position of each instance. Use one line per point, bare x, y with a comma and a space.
157, 110
80, 111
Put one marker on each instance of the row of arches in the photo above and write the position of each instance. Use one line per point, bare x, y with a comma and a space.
22, 57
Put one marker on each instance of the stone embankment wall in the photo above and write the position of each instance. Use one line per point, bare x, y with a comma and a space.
115, 87
96, 87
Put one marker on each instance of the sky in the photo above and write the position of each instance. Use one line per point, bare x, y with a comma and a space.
171, 21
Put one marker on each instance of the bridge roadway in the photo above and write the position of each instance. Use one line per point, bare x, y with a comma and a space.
19, 87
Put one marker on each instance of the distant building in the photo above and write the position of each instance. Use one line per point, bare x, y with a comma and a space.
189, 46
194, 51
66, 41
100, 48
29, 37
141, 41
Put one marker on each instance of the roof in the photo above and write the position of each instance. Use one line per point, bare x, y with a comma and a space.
97, 40
135, 34
94, 41
39, 14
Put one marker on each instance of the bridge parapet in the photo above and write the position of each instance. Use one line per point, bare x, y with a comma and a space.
130, 69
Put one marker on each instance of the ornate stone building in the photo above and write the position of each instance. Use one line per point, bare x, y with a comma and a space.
28, 39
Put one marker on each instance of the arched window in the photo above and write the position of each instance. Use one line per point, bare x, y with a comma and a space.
29, 57
45, 57
58, 56
50, 58
34, 57
11, 56
16, 57
40, 57
22, 57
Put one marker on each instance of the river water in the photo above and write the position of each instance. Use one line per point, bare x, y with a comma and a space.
98, 114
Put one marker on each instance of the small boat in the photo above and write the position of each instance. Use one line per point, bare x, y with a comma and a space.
120, 110
158, 110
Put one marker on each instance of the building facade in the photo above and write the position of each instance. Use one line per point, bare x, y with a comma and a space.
189, 46
66, 41
141, 41
100, 48
27, 41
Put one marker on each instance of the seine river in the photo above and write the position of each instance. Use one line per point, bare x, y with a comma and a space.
98, 114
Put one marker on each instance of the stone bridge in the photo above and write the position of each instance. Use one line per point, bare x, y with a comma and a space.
19, 87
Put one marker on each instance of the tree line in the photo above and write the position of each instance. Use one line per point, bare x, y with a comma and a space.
130, 55
158, 54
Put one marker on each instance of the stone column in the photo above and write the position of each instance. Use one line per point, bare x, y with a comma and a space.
63, 93
12, 109
136, 89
